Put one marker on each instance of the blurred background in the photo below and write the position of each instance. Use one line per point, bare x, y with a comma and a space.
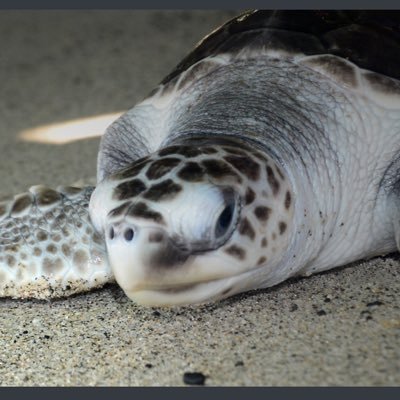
62, 66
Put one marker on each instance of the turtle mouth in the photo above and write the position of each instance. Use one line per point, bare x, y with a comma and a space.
178, 295
175, 289
200, 292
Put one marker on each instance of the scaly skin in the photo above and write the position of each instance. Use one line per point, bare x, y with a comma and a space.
48, 247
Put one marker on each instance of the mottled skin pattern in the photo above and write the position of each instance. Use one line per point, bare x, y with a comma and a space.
48, 247
271, 151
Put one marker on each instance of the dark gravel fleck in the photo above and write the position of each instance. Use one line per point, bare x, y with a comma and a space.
375, 303
156, 313
239, 364
148, 365
321, 312
194, 378
294, 307
366, 314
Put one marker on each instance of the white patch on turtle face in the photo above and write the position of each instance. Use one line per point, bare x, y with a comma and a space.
193, 223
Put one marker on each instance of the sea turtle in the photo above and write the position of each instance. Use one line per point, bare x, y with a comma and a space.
271, 151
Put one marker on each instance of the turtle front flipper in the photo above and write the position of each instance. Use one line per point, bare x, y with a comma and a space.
48, 247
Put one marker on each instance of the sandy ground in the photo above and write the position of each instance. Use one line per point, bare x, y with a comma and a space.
337, 328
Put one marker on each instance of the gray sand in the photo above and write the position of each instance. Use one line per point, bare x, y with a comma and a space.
337, 328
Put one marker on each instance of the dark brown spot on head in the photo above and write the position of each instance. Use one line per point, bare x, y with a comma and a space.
21, 204
236, 251
234, 150
132, 170
162, 191
168, 150
52, 266
273, 182
250, 196
245, 165
262, 213
129, 189
156, 237
282, 227
37, 252
189, 151
288, 200
219, 169
141, 210
191, 172
120, 210
264, 242
208, 150
41, 236
169, 255
160, 167
261, 260
245, 228
47, 197
51, 249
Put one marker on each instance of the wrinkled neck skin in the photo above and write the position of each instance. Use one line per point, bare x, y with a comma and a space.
309, 126
319, 134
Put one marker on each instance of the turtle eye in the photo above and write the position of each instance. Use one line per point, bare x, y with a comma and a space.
224, 220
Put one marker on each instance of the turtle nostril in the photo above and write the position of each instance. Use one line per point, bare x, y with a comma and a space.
129, 234
111, 233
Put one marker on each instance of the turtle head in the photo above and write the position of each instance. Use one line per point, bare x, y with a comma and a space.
188, 224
